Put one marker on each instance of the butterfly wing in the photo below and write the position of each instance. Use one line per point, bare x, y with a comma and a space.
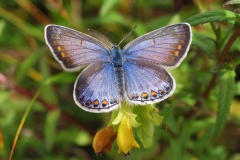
95, 89
166, 46
73, 49
147, 83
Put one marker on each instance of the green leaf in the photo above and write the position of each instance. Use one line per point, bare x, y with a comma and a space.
205, 138
27, 64
142, 112
156, 119
237, 91
205, 44
232, 2
107, 5
64, 78
214, 16
2, 26
20, 23
145, 133
112, 17
75, 136
226, 90
50, 128
199, 125
147, 126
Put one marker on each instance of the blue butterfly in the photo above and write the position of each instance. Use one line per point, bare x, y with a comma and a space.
137, 73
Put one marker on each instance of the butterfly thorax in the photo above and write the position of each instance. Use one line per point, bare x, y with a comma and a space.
117, 56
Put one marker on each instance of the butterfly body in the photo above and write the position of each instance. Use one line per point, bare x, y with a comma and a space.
137, 73
117, 61
117, 57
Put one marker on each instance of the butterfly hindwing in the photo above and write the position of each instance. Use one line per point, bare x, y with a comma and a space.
95, 89
73, 49
147, 83
166, 46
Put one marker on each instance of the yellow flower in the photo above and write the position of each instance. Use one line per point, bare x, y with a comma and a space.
125, 139
122, 122
103, 140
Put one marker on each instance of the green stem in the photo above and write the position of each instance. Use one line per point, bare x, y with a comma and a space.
27, 112
23, 120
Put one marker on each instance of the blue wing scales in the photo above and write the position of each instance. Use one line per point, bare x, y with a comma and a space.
73, 49
147, 83
96, 90
166, 46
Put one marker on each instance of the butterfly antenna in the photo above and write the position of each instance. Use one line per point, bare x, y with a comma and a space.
100, 36
127, 34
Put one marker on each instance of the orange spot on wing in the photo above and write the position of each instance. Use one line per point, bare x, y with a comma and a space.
154, 94
179, 46
59, 48
63, 54
144, 95
176, 53
104, 103
95, 103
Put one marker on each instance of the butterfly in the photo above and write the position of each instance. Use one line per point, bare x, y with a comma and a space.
136, 74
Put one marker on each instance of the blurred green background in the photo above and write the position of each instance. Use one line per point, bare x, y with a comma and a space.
56, 128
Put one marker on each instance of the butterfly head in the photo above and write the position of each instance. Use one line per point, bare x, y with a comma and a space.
115, 46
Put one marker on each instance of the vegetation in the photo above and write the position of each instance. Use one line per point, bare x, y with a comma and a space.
39, 119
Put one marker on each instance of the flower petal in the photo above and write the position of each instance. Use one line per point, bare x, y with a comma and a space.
103, 140
118, 118
125, 139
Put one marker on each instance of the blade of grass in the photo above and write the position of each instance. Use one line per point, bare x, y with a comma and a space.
21, 24
34, 11
106, 7
45, 84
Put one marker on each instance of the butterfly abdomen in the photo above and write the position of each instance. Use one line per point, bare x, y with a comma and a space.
120, 82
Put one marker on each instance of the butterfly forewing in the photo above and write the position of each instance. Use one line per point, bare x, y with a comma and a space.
95, 89
146, 82
166, 46
73, 49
